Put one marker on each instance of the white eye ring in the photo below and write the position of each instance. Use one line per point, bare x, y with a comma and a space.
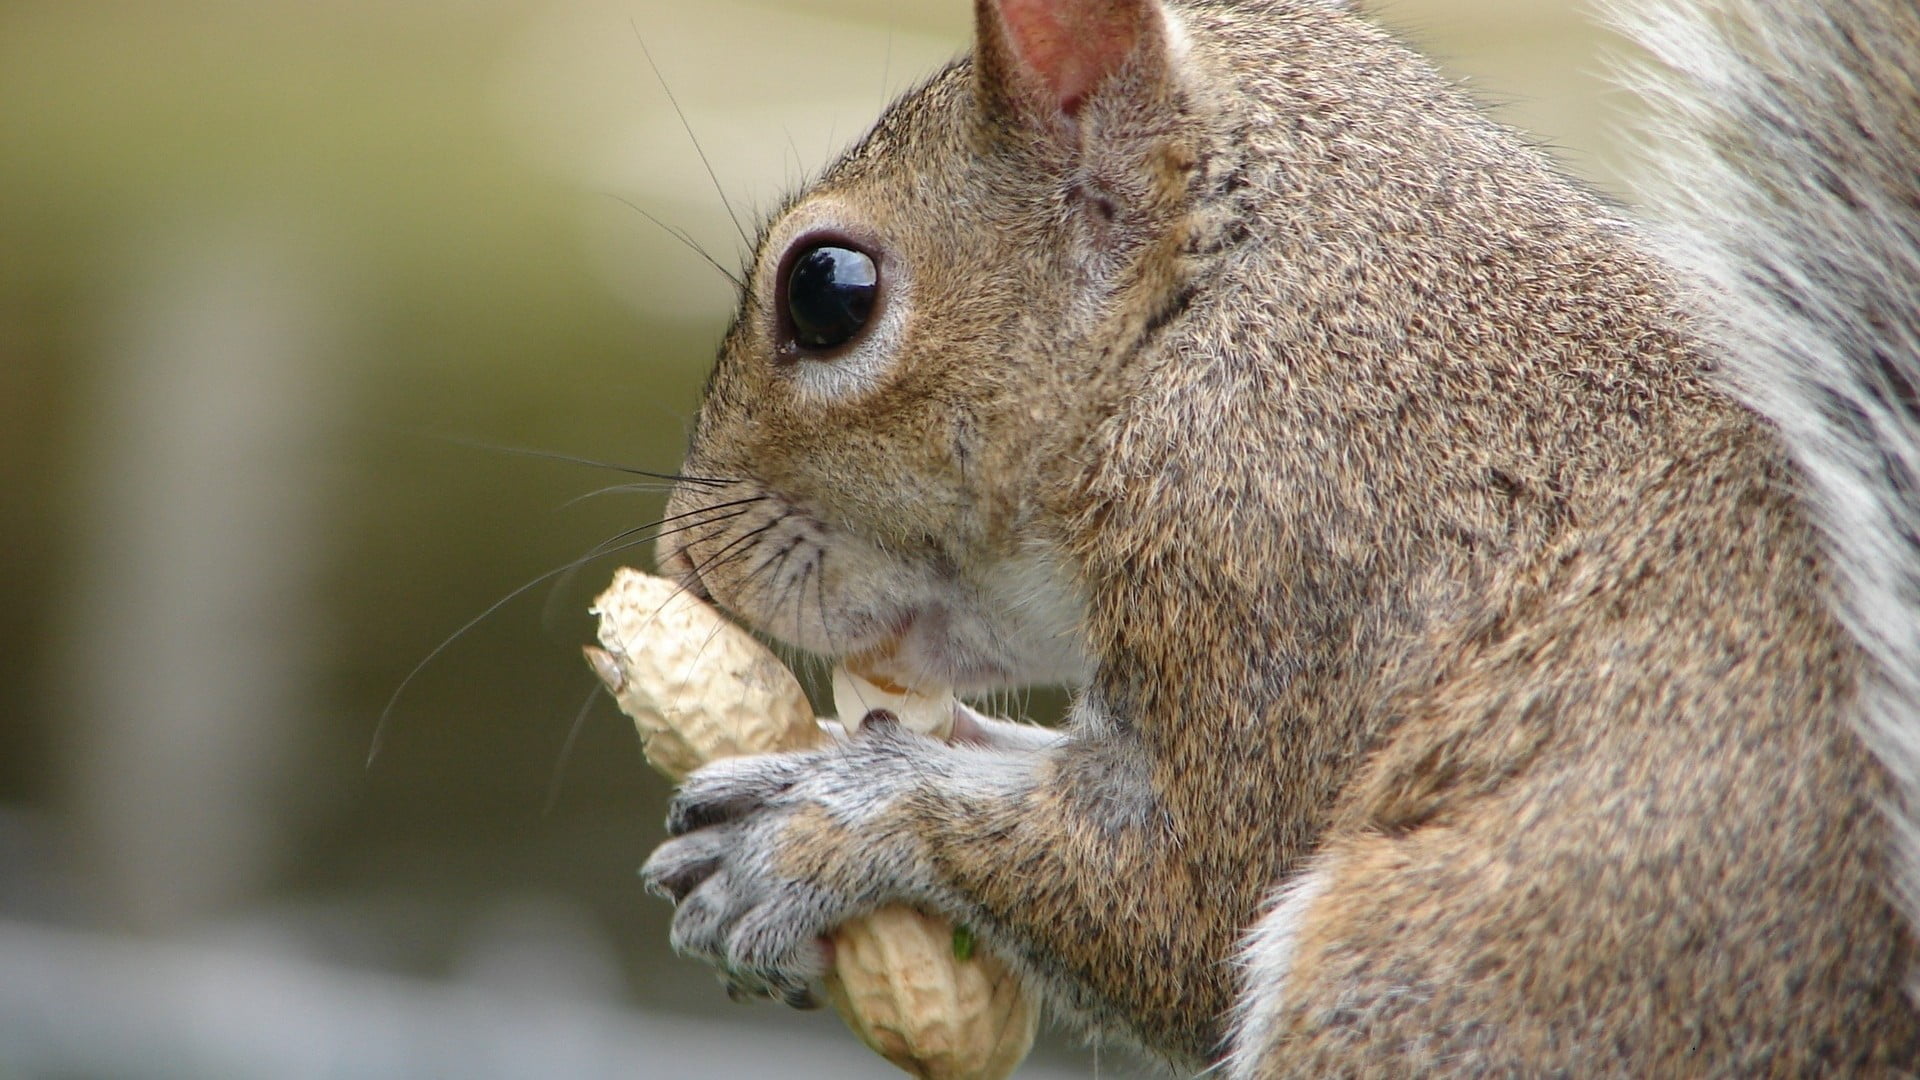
861, 366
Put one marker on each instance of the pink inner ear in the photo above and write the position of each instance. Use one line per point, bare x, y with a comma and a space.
1071, 46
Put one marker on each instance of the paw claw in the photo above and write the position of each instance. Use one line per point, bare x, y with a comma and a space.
726, 791
802, 998
679, 866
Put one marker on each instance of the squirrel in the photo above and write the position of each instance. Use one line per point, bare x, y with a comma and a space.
1494, 623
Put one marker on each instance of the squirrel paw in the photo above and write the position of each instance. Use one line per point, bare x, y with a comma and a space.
772, 852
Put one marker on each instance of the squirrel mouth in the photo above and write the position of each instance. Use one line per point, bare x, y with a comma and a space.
887, 663
676, 564
918, 654
871, 665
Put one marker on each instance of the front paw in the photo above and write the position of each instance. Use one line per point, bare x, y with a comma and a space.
772, 852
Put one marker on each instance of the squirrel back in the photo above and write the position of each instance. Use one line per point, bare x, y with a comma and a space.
1785, 168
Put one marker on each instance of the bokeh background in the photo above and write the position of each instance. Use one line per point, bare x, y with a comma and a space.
284, 286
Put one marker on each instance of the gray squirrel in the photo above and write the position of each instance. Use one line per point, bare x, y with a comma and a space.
1495, 623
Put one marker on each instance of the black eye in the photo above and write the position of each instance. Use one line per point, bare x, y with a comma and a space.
830, 293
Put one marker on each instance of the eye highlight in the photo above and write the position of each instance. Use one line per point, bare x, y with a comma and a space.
830, 294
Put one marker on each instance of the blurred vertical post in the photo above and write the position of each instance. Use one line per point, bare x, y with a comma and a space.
200, 519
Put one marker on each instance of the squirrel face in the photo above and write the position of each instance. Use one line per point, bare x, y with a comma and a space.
922, 341
1148, 286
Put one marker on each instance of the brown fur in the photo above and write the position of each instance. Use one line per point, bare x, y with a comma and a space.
1415, 539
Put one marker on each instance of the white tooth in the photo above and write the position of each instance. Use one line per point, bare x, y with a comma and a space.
926, 713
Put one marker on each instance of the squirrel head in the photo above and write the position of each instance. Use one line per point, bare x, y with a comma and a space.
917, 336
1242, 303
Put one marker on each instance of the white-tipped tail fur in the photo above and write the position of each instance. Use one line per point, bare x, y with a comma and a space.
1266, 959
1788, 180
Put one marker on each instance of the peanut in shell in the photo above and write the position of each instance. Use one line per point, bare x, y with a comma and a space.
700, 688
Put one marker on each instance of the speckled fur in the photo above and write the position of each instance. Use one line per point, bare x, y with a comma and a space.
1385, 498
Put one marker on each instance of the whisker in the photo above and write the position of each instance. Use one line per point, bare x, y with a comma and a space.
591, 463
793, 657
809, 666
778, 556
820, 595
691, 137
714, 560
644, 487
816, 569
745, 582
681, 235
566, 749
799, 658
566, 578
799, 165
886, 69
709, 562
381, 729
818, 663
727, 550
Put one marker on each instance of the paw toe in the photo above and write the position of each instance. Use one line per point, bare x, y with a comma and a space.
679, 866
723, 792
702, 922
779, 945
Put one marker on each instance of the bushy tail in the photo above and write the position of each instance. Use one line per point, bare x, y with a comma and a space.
1789, 135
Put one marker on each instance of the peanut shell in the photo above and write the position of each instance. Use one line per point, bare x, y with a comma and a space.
900, 987
700, 688
697, 687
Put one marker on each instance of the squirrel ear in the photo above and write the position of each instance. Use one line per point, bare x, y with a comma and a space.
1054, 54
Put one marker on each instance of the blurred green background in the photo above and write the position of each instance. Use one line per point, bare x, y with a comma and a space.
281, 282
